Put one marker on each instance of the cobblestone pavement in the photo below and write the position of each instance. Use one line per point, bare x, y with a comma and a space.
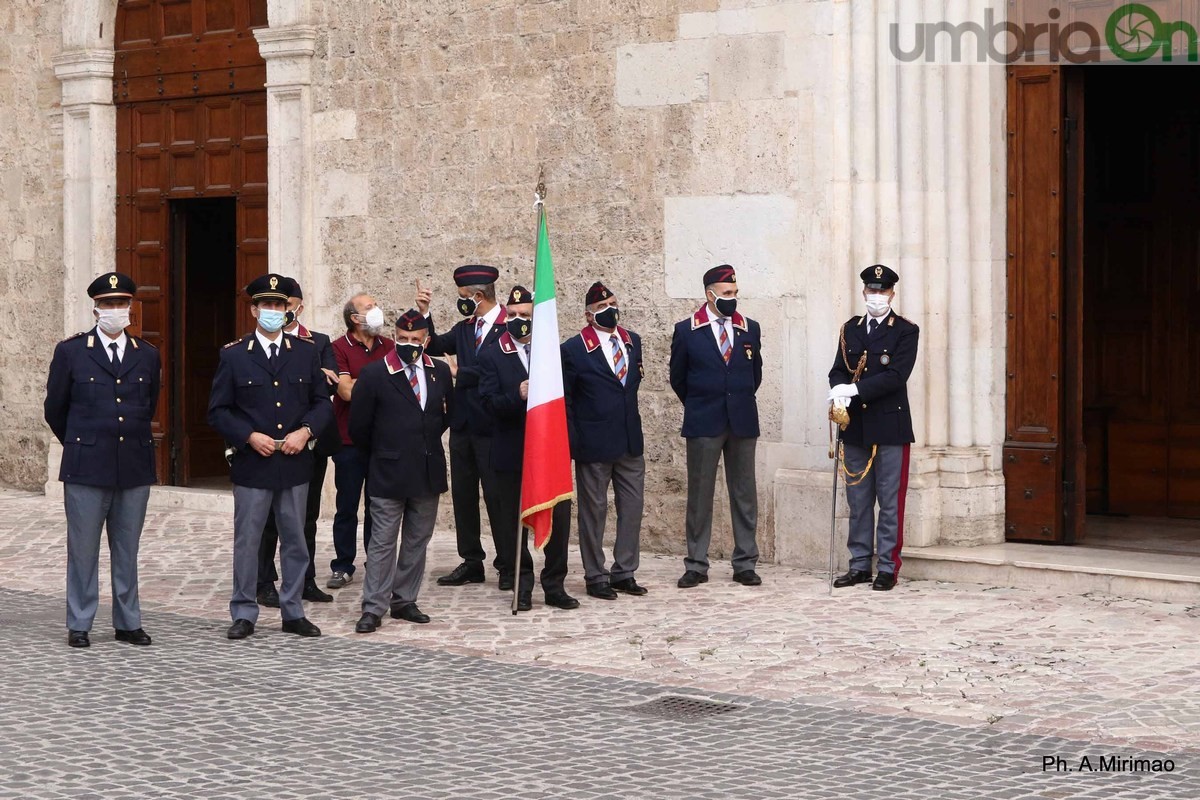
280, 717
934, 689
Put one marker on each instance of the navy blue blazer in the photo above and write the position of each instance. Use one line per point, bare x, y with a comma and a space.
402, 441
501, 373
602, 415
717, 397
101, 414
880, 414
250, 395
329, 441
459, 341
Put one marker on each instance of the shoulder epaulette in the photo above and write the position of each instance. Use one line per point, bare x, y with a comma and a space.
75, 336
140, 340
231, 344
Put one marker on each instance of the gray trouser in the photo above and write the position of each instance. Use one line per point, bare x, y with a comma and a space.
887, 484
703, 453
250, 509
392, 579
89, 509
628, 478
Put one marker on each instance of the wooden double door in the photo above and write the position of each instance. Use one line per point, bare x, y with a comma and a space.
191, 199
1103, 257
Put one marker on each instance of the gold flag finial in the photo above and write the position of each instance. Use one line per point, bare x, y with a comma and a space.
539, 191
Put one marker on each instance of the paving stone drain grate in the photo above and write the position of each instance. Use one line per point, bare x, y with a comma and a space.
678, 707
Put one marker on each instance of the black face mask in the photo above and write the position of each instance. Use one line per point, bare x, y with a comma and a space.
288, 318
607, 318
409, 353
466, 306
519, 328
726, 306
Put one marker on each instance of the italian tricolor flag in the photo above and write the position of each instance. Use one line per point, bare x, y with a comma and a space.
546, 481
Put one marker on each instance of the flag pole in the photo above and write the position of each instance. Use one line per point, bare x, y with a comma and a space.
518, 549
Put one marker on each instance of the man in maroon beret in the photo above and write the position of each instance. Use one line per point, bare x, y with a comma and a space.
716, 369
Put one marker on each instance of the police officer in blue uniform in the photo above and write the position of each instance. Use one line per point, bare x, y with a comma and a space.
602, 370
876, 355
328, 443
504, 392
100, 397
716, 369
269, 398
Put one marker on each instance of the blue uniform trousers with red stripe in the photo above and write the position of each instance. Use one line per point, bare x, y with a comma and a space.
886, 485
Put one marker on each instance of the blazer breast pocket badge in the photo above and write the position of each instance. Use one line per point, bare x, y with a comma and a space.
749, 352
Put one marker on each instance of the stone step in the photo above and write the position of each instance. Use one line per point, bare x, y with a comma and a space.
218, 501
1163, 577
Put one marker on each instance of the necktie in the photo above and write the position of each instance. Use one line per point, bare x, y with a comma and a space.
874, 324
526, 357
274, 352
619, 359
478, 332
726, 346
116, 360
412, 379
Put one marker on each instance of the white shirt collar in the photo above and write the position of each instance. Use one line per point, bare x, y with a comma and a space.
121, 341
266, 343
490, 317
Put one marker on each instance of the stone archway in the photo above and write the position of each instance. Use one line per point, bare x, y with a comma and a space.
85, 68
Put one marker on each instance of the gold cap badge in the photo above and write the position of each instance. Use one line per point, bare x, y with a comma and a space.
517, 295
879, 272
274, 282
112, 281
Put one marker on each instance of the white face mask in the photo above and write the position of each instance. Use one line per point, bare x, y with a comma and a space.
877, 304
112, 320
373, 320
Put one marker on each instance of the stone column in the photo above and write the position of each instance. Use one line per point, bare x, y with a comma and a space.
89, 176
89, 193
288, 52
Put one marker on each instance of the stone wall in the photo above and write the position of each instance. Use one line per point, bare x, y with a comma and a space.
433, 120
30, 231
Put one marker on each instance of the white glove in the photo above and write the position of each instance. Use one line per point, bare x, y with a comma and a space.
841, 402
844, 390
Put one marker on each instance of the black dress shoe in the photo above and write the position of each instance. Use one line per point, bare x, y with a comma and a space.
466, 572
747, 577
301, 627
138, 636
561, 600
313, 594
629, 586
268, 597
691, 578
367, 623
78, 639
240, 629
884, 582
851, 578
601, 591
409, 613
524, 601
506, 583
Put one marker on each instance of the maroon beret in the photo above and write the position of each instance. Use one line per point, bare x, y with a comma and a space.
412, 320
519, 294
721, 274
475, 275
598, 293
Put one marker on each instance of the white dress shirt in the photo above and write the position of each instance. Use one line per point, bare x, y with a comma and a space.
607, 344
121, 341
266, 343
522, 354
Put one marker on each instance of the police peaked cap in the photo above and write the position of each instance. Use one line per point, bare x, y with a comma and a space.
475, 275
112, 284
877, 276
269, 287
519, 294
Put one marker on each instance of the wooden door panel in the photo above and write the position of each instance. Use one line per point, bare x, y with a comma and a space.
1183, 493
1137, 468
1037, 371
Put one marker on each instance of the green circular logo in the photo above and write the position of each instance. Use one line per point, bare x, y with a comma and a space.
1132, 32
